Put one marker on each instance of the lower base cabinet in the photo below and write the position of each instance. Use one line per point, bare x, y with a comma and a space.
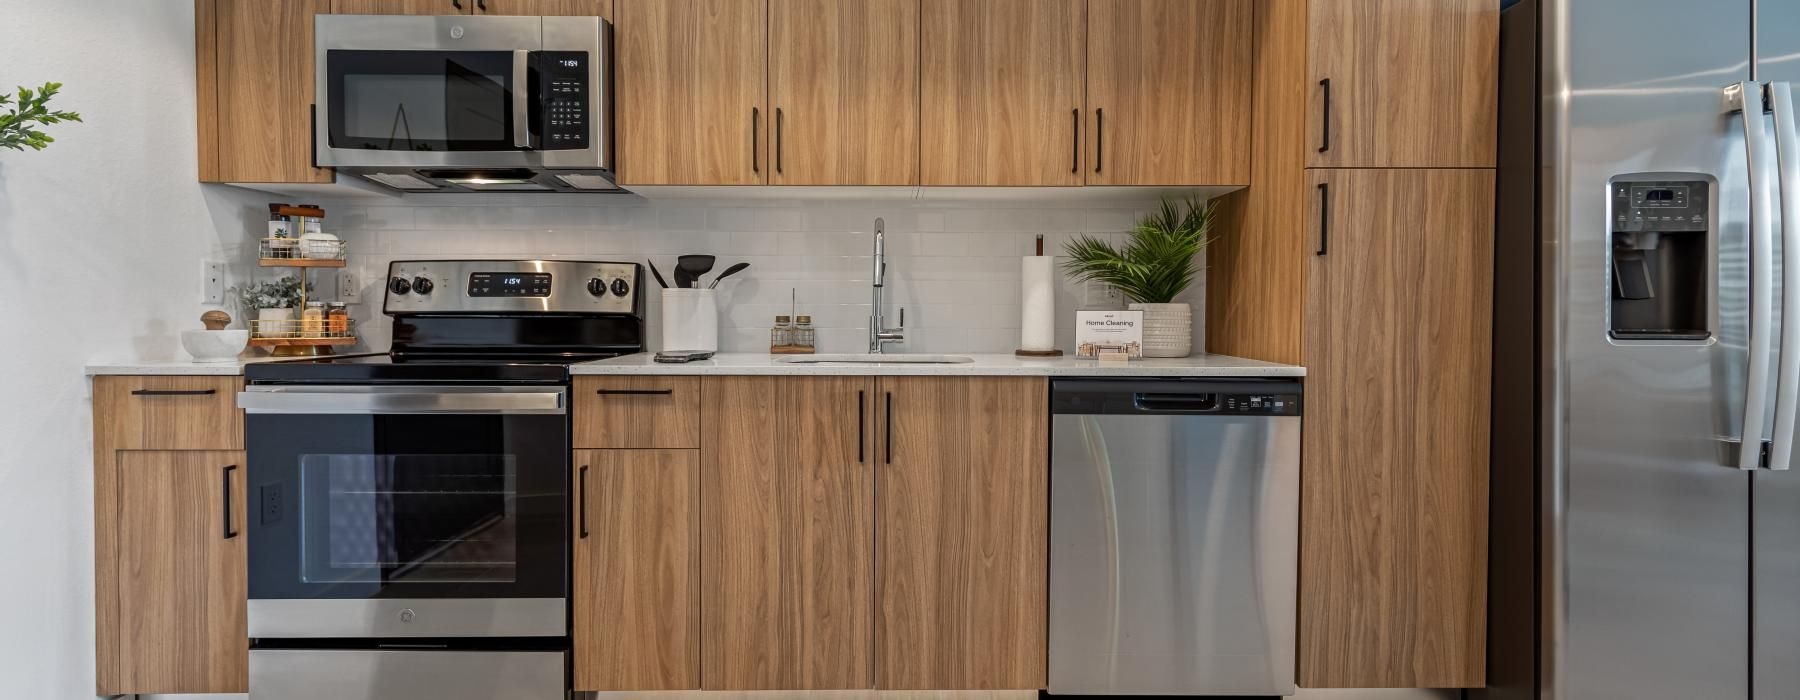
830, 533
637, 570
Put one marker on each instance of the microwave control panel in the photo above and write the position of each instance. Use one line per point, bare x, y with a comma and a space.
564, 93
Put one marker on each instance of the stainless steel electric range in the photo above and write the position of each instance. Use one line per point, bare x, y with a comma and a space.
409, 524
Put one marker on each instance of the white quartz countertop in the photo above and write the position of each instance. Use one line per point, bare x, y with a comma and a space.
1197, 365
234, 367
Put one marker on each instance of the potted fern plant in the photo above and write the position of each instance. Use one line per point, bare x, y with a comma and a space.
1155, 265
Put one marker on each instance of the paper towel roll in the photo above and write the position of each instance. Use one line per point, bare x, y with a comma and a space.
1037, 303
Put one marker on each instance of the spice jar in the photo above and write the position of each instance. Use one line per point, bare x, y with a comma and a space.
782, 335
312, 320
337, 318
801, 337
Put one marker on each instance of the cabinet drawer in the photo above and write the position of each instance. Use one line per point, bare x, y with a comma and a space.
637, 412
168, 412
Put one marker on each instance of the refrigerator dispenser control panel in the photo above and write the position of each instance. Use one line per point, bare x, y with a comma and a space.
1660, 247
1659, 206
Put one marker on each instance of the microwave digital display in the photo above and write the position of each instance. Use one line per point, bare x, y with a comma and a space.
509, 284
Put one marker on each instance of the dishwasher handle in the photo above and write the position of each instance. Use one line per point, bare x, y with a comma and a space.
1163, 403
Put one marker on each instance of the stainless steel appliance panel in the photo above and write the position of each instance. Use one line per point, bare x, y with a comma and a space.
1646, 527
1174, 541
301, 618
1776, 494
363, 674
620, 289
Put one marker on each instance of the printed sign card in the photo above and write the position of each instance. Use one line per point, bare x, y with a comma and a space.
1116, 333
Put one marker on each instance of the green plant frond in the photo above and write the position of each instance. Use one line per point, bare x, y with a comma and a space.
31, 109
1156, 263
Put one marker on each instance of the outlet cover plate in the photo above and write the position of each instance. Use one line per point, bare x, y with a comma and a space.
212, 282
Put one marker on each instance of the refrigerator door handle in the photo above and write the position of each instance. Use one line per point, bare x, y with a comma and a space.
1746, 98
1787, 375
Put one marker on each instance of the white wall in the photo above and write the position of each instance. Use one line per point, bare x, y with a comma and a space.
954, 266
100, 238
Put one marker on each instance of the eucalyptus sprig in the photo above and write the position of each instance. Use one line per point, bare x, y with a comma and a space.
30, 108
1157, 262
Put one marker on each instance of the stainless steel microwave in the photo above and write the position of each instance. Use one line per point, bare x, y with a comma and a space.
465, 104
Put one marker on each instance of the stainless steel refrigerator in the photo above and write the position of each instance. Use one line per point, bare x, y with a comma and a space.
1647, 315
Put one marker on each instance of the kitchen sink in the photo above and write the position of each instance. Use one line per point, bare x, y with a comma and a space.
897, 358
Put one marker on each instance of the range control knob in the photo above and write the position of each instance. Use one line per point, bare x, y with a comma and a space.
596, 286
399, 285
620, 288
422, 285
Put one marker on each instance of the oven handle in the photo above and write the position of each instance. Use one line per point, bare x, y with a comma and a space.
364, 400
521, 99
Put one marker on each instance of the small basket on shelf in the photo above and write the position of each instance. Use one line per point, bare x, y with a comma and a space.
302, 252
302, 336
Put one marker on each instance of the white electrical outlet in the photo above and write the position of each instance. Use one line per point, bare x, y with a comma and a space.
1096, 293
349, 287
212, 282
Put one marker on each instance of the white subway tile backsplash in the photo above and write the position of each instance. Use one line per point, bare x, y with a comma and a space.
954, 266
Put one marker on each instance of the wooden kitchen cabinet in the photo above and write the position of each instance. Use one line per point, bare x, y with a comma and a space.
1402, 83
787, 485
545, 8
844, 87
963, 533
254, 66
1001, 85
1168, 92
692, 92
403, 7
169, 561
632, 412
1394, 499
636, 595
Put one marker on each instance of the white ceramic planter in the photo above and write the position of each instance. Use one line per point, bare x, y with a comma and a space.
1168, 329
269, 320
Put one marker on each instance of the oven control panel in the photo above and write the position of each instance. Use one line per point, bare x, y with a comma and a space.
513, 286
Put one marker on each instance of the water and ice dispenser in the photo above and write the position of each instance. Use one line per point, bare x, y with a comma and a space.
1662, 233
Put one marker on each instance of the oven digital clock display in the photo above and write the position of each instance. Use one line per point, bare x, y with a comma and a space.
509, 284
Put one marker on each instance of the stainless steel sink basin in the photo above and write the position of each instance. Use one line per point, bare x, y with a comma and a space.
869, 358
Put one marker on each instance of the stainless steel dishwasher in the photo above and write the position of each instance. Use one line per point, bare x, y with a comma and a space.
1174, 534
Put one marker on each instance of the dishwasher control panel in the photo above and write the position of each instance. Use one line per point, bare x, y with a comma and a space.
1242, 397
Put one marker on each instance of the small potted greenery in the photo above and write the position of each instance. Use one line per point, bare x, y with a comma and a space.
30, 109
274, 302
1156, 265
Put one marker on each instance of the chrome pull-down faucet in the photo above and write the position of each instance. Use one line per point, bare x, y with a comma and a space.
879, 334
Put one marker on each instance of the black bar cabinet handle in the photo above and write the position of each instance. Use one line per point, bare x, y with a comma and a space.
755, 140
174, 392
1325, 120
581, 502
887, 415
481, 5
1099, 139
456, 4
861, 413
635, 392
229, 533
779, 119
1324, 218
1075, 141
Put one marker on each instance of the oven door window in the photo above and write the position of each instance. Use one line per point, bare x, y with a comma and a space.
407, 506
420, 100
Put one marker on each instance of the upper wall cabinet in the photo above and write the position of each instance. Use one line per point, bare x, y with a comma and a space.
844, 86
1001, 91
1403, 83
1168, 92
403, 7
692, 93
254, 65
545, 8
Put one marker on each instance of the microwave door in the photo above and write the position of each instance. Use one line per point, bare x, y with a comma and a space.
420, 101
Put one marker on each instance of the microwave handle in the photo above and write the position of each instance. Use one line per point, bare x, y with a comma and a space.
521, 98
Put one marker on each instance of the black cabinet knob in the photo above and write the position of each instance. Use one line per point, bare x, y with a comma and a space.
399, 285
620, 287
596, 286
421, 285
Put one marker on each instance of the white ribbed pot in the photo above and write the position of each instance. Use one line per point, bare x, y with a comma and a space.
1168, 329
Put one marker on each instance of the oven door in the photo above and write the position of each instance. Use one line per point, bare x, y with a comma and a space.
407, 511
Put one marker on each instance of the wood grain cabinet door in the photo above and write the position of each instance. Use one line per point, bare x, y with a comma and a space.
1001, 91
692, 92
786, 533
962, 533
1403, 83
1168, 92
844, 85
1394, 500
637, 570
545, 8
403, 7
254, 66
180, 551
